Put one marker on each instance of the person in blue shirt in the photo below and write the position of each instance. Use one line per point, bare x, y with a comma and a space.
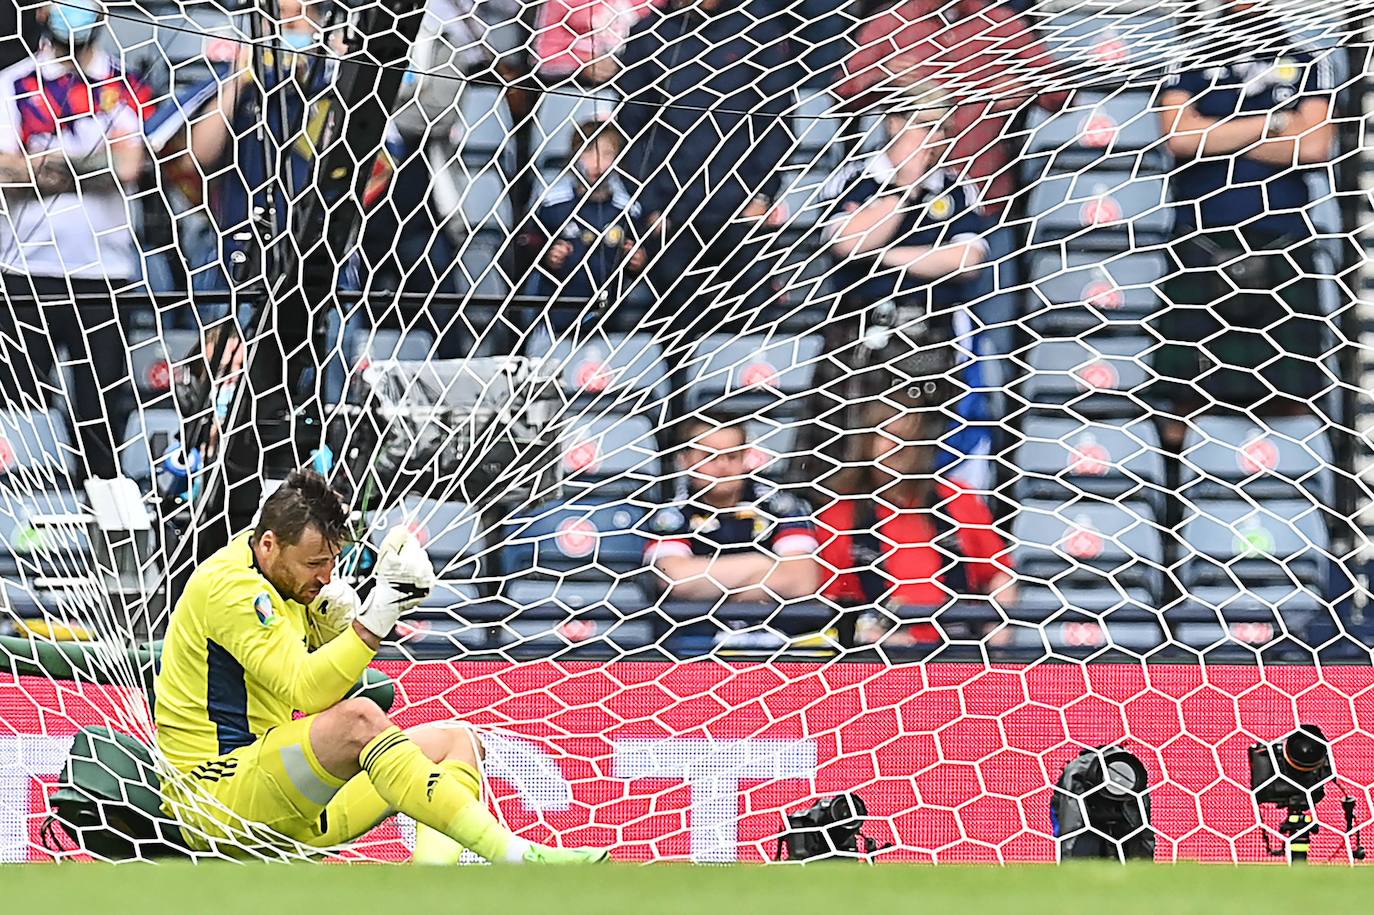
587, 231
909, 240
1245, 330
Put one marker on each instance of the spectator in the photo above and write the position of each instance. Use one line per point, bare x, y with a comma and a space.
243, 173
897, 542
1245, 329
70, 149
724, 536
983, 53
586, 232
706, 87
909, 238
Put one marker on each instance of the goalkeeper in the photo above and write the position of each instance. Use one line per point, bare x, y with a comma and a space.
263, 631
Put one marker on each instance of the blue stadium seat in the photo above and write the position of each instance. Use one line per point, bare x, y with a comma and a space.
1283, 457
1074, 292
1098, 376
585, 540
615, 455
1097, 125
448, 530
389, 343
148, 436
36, 446
1111, 458
1091, 41
1078, 621
487, 127
152, 361
1233, 543
612, 368
480, 258
1099, 208
747, 374
1088, 542
1225, 621
24, 552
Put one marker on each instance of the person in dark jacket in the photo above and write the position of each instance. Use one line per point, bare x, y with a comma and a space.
1245, 329
586, 233
706, 88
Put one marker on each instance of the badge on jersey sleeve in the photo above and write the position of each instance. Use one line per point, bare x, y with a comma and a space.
262, 606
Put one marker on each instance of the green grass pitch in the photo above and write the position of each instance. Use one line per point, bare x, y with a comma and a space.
839, 888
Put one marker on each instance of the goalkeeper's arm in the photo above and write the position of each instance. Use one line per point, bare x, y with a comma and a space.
314, 681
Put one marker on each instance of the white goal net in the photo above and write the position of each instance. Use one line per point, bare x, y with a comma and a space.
794, 398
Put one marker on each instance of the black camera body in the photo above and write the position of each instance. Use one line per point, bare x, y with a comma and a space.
828, 828
1292, 772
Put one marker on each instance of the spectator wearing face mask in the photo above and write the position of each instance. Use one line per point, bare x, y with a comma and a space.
586, 231
239, 164
71, 149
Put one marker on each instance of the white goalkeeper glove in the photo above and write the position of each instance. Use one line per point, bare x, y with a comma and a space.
339, 605
404, 578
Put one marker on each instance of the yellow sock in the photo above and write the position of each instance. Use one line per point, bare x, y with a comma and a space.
446, 796
433, 847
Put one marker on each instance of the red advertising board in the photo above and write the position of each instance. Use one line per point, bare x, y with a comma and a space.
699, 760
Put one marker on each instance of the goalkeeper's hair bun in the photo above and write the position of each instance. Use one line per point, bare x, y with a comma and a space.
304, 500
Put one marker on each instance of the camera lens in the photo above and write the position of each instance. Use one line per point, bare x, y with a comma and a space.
1305, 749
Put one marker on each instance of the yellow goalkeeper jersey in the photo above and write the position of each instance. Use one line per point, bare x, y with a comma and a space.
240, 659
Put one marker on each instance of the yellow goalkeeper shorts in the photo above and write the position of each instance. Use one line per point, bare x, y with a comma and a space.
271, 794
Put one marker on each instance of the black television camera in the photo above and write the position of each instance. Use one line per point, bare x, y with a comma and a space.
1292, 774
1101, 806
829, 828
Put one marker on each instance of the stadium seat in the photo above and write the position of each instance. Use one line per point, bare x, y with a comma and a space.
484, 202
1073, 293
152, 361
448, 531
1077, 621
24, 552
584, 540
1087, 542
607, 625
389, 343
1233, 543
747, 374
620, 370
36, 446
486, 125
1099, 124
148, 436
1097, 377
1240, 621
1099, 208
481, 258
1112, 458
615, 455
1090, 40
1282, 458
